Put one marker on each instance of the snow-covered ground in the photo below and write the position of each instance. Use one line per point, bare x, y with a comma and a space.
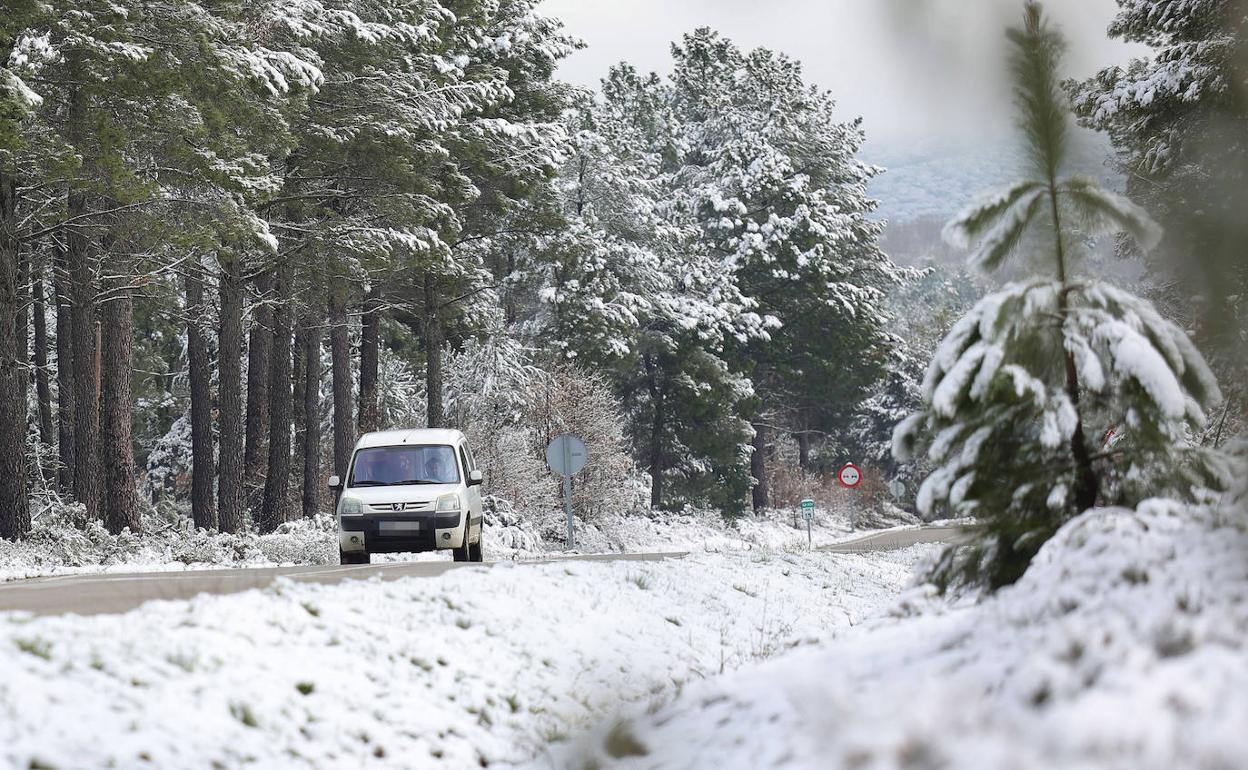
480, 666
62, 542
1124, 646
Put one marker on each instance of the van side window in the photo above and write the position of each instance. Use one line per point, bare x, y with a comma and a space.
463, 457
472, 461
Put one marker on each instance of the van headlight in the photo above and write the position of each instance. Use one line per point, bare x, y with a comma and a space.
350, 506
449, 503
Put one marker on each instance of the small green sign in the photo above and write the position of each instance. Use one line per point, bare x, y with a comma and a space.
808, 504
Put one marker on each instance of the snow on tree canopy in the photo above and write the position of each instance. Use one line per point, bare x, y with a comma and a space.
993, 402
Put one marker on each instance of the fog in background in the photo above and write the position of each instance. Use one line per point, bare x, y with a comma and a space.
914, 69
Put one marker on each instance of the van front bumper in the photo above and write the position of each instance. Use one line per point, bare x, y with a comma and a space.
410, 533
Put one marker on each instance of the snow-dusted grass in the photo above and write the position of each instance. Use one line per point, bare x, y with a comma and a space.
64, 542
1124, 646
480, 665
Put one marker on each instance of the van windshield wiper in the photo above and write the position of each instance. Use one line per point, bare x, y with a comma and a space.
414, 481
370, 483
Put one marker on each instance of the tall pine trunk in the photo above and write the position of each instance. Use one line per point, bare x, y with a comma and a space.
199, 365
120, 501
277, 479
803, 449
434, 413
86, 384
340, 362
258, 347
311, 446
1087, 486
370, 340
80, 267
43, 386
760, 493
299, 401
656, 434
14, 506
230, 396
64, 374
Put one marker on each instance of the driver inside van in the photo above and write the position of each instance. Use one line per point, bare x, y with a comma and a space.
437, 470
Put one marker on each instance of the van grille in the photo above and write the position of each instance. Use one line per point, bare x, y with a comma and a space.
410, 507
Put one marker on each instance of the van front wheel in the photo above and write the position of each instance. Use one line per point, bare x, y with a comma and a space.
356, 557
476, 551
464, 552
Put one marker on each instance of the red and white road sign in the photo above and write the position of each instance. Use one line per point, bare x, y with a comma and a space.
849, 476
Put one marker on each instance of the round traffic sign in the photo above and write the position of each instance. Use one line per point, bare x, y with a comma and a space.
566, 455
897, 488
849, 476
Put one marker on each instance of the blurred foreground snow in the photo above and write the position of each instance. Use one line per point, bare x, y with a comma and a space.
1122, 647
482, 666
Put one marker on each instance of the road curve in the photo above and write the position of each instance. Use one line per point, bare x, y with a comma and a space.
101, 594
899, 538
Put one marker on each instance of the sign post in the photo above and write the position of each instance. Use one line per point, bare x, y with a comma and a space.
808, 513
850, 476
566, 456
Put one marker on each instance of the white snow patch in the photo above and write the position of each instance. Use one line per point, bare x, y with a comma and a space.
1122, 647
480, 665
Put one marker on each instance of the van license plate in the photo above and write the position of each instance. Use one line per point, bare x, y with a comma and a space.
399, 526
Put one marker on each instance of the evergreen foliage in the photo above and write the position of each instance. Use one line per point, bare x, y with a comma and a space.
1176, 120
1022, 385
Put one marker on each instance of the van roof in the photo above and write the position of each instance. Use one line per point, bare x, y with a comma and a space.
409, 436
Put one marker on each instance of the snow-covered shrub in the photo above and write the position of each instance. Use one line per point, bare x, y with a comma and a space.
569, 400
168, 471
63, 536
510, 408
506, 531
999, 420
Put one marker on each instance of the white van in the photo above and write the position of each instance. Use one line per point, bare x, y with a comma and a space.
409, 490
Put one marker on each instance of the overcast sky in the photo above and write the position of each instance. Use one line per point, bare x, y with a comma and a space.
912, 68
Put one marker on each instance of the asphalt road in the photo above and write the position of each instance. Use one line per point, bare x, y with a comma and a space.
96, 594
900, 538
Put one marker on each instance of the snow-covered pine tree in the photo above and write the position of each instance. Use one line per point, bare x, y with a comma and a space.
1176, 119
629, 286
1023, 385
770, 177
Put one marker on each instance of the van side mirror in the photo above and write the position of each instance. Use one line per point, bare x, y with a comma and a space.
475, 478
335, 482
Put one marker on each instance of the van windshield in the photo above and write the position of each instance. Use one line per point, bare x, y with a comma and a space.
397, 465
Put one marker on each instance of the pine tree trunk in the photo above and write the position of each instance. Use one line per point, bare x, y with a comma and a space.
229, 395
86, 384
277, 479
760, 493
14, 505
803, 449
311, 448
656, 436
203, 466
258, 347
340, 361
43, 386
1087, 485
64, 375
120, 502
434, 413
299, 412
370, 340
